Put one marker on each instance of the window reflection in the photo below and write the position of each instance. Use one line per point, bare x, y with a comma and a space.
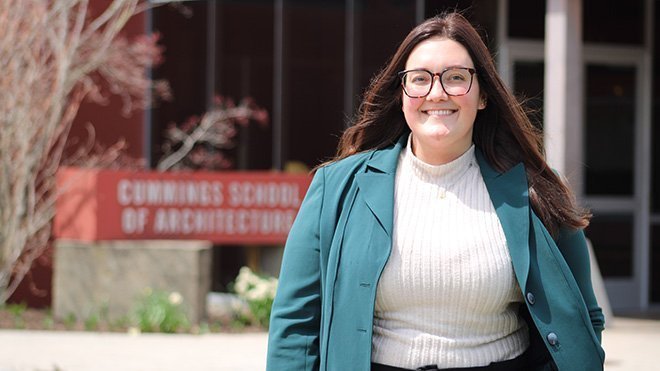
528, 81
612, 239
599, 16
610, 129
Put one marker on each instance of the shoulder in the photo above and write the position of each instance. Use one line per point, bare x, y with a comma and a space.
346, 166
383, 160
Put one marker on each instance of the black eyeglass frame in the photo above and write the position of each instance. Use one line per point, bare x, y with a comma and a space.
472, 72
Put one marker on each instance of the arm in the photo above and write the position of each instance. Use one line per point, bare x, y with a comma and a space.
573, 247
293, 341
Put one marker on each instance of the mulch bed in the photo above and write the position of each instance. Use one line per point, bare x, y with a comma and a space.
34, 319
42, 319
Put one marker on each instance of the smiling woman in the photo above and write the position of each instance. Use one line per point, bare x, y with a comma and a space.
438, 238
441, 119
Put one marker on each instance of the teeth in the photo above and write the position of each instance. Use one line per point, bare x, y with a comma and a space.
440, 112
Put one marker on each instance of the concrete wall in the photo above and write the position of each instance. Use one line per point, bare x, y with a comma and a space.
89, 277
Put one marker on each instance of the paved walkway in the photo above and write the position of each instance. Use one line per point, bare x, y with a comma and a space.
631, 345
90, 351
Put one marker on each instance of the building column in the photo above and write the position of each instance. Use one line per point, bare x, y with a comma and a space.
350, 58
280, 135
563, 97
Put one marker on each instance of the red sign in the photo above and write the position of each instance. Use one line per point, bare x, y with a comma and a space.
225, 207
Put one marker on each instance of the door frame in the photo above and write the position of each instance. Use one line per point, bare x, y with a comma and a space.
629, 294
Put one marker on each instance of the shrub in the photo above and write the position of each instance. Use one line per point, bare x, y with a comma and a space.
159, 311
258, 291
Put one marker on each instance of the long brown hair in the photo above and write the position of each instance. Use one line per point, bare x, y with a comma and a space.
502, 131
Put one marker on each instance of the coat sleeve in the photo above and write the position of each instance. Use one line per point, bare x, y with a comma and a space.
573, 246
293, 341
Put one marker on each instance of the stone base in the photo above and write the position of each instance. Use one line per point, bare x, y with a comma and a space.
90, 278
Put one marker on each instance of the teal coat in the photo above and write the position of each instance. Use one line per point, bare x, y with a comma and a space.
341, 239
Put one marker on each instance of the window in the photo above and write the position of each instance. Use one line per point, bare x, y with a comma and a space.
527, 19
613, 22
609, 135
528, 79
612, 239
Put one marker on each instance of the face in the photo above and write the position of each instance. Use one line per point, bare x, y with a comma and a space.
441, 125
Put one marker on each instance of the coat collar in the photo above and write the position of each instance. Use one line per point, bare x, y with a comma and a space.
385, 160
508, 192
377, 182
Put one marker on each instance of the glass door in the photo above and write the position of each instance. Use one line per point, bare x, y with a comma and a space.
613, 171
613, 158
616, 177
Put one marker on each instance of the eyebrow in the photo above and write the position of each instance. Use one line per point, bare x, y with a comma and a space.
444, 69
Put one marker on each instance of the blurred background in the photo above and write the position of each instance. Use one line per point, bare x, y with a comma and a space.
588, 71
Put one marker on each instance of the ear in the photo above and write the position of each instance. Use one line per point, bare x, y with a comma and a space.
483, 101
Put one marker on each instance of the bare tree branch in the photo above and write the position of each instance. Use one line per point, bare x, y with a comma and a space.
215, 129
53, 55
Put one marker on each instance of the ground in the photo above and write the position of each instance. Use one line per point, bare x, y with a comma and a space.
15, 316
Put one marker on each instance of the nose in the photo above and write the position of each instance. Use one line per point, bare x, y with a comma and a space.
437, 91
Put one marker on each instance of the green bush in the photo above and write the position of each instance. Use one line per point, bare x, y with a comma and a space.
70, 321
258, 292
159, 311
92, 322
18, 312
48, 322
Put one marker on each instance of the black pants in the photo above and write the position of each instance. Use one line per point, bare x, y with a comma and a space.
519, 363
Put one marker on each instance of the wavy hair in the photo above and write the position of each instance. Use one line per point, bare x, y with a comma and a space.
502, 130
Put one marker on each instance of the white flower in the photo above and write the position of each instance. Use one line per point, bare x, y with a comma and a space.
258, 292
244, 281
175, 298
253, 287
133, 331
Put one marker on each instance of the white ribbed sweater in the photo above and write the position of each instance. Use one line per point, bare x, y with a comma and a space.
448, 294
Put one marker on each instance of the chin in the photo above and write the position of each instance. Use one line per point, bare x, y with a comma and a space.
438, 131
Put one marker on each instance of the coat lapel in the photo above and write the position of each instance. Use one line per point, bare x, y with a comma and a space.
376, 184
510, 196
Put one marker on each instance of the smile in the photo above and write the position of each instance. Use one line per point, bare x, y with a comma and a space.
439, 112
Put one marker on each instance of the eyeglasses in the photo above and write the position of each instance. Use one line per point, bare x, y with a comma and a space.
455, 81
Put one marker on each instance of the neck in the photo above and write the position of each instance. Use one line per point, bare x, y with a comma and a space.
439, 154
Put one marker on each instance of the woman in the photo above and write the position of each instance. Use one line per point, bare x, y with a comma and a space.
438, 238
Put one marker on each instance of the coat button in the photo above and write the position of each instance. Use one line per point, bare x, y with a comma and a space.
530, 298
552, 338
